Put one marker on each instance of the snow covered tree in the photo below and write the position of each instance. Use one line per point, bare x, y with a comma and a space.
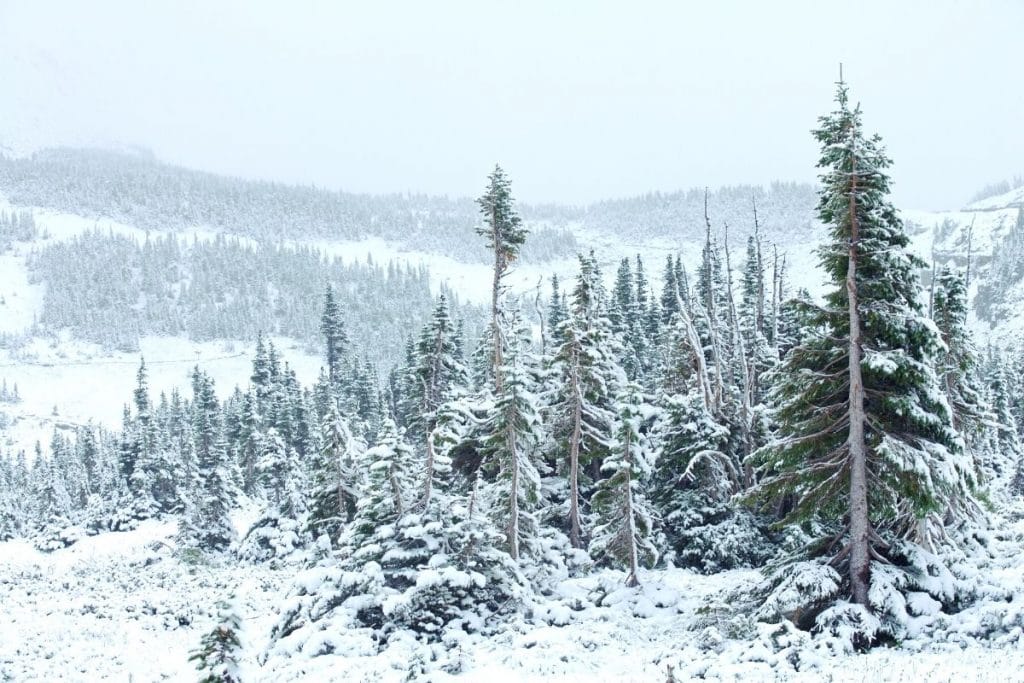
865, 441
216, 657
336, 481
693, 483
332, 327
510, 436
587, 379
958, 364
557, 310
207, 521
1003, 457
513, 417
437, 371
505, 236
624, 522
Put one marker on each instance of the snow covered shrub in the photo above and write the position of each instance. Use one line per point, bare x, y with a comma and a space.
409, 561
216, 657
799, 591
57, 534
108, 515
714, 536
270, 539
847, 627
419, 575
460, 581
908, 591
694, 480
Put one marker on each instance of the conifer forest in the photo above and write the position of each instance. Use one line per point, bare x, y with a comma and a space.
254, 430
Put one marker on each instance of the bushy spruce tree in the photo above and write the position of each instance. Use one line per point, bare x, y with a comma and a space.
587, 379
216, 657
206, 522
866, 450
510, 436
336, 481
624, 523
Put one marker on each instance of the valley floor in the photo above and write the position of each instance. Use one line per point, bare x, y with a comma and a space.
123, 606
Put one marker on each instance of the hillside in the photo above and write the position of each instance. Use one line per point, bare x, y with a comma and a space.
206, 258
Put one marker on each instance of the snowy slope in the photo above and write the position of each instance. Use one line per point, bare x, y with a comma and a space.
122, 606
84, 383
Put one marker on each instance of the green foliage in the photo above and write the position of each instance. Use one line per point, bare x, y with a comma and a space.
216, 657
914, 459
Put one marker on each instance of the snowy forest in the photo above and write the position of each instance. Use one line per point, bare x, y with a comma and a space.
455, 464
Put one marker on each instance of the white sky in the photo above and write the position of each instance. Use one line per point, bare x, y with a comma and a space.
578, 100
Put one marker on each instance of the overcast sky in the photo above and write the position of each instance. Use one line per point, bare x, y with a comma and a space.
577, 100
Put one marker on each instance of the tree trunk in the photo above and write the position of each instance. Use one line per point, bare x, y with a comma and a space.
746, 412
698, 352
513, 513
428, 484
499, 272
575, 530
632, 581
860, 558
775, 300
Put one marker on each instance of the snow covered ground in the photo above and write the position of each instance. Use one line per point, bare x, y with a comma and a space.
123, 606
66, 383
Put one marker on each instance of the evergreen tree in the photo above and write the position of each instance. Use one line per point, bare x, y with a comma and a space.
437, 371
557, 310
512, 421
958, 364
624, 523
389, 493
1004, 452
586, 379
694, 480
216, 657
336, 481
670, 291
332, 327
510, 438
207, 522
865, 436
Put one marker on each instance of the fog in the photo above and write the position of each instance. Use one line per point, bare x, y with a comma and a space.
578, 100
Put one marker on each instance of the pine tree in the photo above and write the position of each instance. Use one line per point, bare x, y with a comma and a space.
694, 480
216, 657
505, 236
437, 371
622, 297
336, 481
513, 417
587, 379
958, 365
389, 493
670, 291
332, 327
510, 436
865, 436
557, 311
624, 522
207, 522
1004, 454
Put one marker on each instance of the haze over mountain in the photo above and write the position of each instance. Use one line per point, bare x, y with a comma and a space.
580, 101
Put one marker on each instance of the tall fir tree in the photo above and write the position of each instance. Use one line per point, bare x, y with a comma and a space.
513, 417
587, 379
207, 522
332, 327
865, 440
624, 523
